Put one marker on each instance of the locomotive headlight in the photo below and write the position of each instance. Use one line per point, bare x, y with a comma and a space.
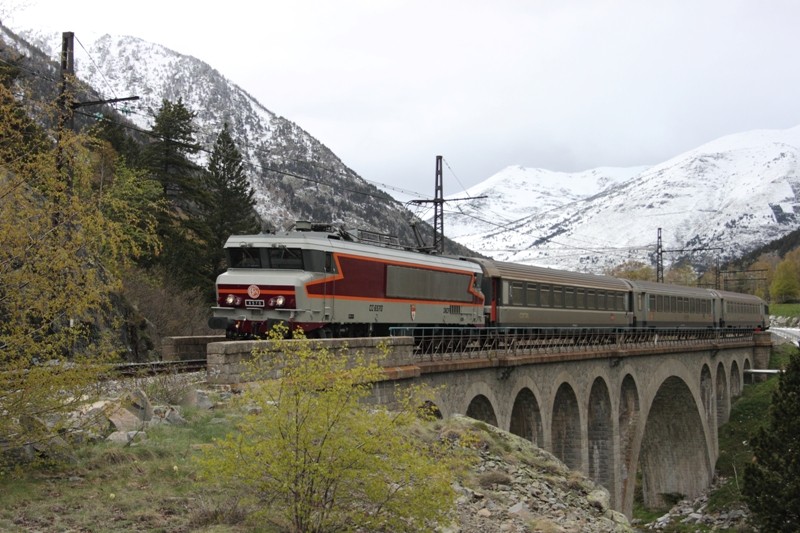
279, 301
276, 301
233, 300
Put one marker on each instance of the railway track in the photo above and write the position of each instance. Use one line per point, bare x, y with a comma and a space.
152, 368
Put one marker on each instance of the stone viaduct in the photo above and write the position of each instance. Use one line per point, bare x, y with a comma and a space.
650, 406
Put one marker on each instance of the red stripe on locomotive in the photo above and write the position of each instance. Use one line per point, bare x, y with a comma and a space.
364, 278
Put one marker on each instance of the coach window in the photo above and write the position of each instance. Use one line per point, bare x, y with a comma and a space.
569, 297
558, 297
544, 293
602, 300
532, 294
591, 299
580, 298
517, 293
651, 303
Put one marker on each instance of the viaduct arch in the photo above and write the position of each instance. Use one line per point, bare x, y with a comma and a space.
655, 415
610, 413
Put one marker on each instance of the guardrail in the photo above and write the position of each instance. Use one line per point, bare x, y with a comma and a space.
441, 344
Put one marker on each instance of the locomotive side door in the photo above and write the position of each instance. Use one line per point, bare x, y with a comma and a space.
329, 300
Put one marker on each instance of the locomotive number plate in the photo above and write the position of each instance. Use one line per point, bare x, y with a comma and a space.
254, 303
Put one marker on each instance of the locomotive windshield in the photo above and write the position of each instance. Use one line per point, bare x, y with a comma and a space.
279, 258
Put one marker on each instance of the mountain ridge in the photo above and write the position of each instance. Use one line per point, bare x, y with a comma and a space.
733, 193
728, 196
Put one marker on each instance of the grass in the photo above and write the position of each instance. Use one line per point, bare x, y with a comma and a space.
147, 487
790, 310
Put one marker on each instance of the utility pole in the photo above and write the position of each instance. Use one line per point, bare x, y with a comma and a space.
438, 209
66, 100
659, 259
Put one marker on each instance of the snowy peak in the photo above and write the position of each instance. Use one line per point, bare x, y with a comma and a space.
729, 195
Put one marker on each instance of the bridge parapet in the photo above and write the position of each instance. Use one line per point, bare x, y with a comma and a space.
448, 344
187, 348
227, 360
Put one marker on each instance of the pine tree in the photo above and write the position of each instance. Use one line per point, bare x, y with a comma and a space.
180, 226
231, 204
169, 156
772, 480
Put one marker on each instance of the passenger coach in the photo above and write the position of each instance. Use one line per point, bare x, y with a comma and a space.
531, 296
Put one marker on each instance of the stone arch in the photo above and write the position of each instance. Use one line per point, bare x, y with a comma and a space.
736, 380
600, 432
628, 421
565, 429
706, 392
723, 404
673, 456
480, 408
747, 377
526, 418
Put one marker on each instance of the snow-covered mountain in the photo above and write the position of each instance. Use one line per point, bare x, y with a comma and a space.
732, 194
294, 175
728, 196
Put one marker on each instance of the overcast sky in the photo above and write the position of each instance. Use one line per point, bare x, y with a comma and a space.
557, 84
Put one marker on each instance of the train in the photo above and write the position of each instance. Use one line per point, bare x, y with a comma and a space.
333, 283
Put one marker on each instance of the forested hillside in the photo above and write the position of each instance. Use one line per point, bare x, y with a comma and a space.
118, 215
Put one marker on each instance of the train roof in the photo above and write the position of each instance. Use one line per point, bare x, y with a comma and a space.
668, 288
729, 295
345, 243
514, 271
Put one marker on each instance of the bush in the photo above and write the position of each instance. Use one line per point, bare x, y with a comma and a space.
313, 456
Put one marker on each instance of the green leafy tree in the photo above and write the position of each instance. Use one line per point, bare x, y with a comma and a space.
633, 270
785, 284
772, 480
60, 258
231, 204
681, 275
315, 458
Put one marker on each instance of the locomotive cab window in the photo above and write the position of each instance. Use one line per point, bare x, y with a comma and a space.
285, 258
243, 257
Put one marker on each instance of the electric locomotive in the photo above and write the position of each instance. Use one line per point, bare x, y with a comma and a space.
323, 281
